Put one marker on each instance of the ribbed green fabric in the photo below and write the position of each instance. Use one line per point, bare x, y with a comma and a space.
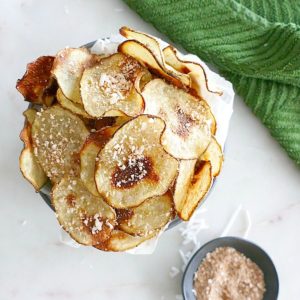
254, 43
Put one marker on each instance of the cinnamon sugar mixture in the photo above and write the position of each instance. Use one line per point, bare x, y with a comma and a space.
226, 274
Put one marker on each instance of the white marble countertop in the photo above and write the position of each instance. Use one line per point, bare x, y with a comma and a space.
34, 264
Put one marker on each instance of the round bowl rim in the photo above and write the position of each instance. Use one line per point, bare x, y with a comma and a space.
242, 241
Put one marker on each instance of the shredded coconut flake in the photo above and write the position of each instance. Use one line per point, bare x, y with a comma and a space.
98, 225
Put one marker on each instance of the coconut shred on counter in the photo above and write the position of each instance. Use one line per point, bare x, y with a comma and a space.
227, 274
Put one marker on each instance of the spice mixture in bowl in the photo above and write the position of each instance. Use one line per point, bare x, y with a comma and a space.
230, 268
226, 273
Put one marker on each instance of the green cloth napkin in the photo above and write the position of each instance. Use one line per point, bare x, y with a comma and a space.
254, 43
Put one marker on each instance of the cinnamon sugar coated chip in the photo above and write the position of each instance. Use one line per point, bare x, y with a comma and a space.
226, 274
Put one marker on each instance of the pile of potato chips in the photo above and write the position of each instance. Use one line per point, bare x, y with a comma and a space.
126, 140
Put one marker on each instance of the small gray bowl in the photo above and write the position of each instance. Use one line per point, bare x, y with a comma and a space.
250, 250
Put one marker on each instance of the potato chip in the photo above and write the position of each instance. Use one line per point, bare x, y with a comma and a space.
150, 42
133, 166
122, 241
187, 133
58, 136
88, 155
168, 72
37, 84
74, 107
195, 71
108, 88
30, 168
214, 154
142, 54
198, 188
183, 181
68, 68
152, 215
88, 219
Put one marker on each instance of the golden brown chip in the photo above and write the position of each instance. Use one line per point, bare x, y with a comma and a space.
195, 71
213, 124
150, 42
88, 219
68, 68
133, 166
153, 47
122, 241
214, 154
58, 136
37, 84
108, 88
197, 190
88, 155
30, 168
152, 215
187, 119
183, 181
74, 107
147, 59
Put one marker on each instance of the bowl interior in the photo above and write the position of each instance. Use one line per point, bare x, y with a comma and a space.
250, 250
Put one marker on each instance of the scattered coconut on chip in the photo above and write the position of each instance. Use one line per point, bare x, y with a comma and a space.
110, 88
29, 165
57, 137
133, 166
87, 218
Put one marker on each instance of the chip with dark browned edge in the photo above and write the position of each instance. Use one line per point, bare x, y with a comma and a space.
122, 241
150, 216
187, 119
192, 185
88, 156
133, 165
88, 219
29, 166
37, 85
110, 87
